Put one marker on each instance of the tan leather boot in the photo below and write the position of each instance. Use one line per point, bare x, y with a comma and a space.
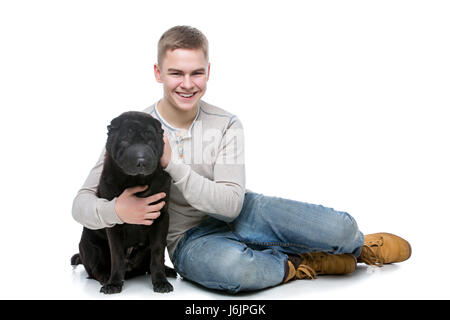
383, 248
315, 263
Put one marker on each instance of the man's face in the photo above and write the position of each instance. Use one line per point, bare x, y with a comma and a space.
184, 74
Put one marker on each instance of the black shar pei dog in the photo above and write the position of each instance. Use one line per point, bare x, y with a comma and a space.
133, 151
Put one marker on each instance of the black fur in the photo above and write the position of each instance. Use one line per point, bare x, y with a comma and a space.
133, 151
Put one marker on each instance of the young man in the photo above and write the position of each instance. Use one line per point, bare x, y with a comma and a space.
221, 235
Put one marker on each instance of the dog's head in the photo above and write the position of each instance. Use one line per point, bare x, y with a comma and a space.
135, 143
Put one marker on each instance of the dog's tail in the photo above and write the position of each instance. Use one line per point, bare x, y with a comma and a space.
75, 260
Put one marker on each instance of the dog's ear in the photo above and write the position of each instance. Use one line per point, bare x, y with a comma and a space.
115, 124
159, 141
159, 128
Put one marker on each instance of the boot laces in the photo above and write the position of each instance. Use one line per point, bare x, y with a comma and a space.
312, 265
305, 272
372, 253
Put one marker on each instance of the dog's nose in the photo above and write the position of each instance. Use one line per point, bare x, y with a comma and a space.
140, 163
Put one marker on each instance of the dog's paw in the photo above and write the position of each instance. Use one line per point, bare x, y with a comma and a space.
162, 287
111, 288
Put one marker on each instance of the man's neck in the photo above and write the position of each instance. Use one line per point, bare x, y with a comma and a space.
176, 118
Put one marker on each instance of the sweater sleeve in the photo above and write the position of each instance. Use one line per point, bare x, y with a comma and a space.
88, 209
223, 196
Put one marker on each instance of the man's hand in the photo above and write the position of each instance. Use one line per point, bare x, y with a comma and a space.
134, 210
167, 153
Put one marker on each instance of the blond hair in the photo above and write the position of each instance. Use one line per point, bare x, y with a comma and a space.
182, 37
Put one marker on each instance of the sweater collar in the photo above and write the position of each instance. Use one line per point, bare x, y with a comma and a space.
172, 128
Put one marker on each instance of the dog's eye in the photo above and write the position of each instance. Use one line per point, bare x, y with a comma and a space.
147, 134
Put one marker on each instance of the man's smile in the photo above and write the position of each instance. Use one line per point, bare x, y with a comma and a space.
186, 95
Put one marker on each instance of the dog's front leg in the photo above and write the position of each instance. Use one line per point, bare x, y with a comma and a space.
115, 240
158, 270
158, 246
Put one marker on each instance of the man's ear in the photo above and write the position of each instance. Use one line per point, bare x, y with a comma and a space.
209, 67
157, 73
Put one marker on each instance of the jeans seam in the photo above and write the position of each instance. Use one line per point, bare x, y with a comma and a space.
281, 244
275, 244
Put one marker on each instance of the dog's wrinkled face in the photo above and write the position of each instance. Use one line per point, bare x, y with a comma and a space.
135, 143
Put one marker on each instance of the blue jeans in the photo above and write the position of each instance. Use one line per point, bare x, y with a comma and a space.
251, 252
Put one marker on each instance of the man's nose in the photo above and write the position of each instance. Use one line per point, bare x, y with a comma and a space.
187, 82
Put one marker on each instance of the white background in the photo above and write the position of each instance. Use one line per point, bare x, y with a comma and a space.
344, 104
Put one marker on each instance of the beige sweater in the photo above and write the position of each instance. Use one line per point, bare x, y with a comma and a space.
207, 170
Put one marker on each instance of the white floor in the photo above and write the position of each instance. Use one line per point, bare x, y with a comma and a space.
418, 278
365, 283
396, 281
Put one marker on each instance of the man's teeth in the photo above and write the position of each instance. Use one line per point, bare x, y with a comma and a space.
186, 95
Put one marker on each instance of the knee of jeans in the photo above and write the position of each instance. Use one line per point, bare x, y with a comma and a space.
239, 270
348, 229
